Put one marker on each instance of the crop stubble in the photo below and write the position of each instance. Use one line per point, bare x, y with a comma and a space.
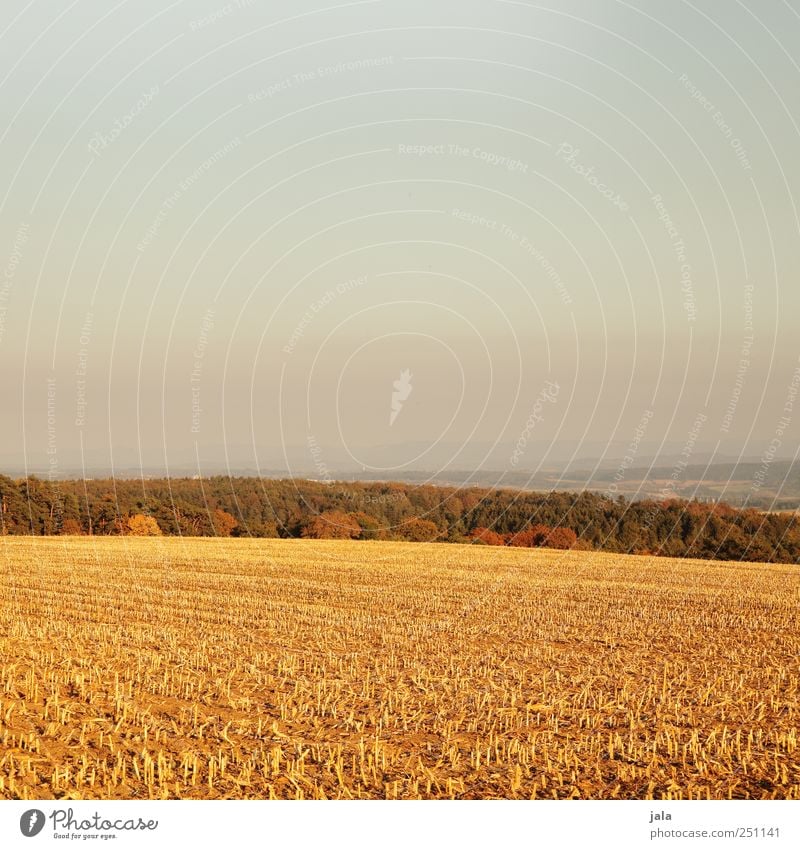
188, 668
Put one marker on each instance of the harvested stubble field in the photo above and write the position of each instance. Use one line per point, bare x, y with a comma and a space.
169, 668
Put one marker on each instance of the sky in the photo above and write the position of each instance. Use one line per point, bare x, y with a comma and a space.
396, 235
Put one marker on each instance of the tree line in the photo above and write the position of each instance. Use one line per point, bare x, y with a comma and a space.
255, 507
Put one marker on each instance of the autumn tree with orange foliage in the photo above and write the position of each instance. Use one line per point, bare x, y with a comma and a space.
530, 537
143, 526
561, 538
486, 536
71, 527
419, 530
332, 524
224, 523
269, 508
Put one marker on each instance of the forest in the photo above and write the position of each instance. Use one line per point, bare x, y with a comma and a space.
257, 507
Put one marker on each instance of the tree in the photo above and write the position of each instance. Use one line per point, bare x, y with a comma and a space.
71, 527
192, 520
419, 530
530, 537
332, 524
527, 537
224, 523
541, 534
105, 517
143, 526
484, 536
672, 527
561, 538
370, 526
268, 529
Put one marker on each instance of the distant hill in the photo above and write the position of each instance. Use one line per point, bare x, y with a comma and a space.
742, 483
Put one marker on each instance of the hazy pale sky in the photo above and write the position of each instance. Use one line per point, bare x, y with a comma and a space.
229, 229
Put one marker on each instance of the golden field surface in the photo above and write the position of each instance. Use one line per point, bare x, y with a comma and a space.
208, 668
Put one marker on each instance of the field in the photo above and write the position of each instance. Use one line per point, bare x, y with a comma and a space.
187, 668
